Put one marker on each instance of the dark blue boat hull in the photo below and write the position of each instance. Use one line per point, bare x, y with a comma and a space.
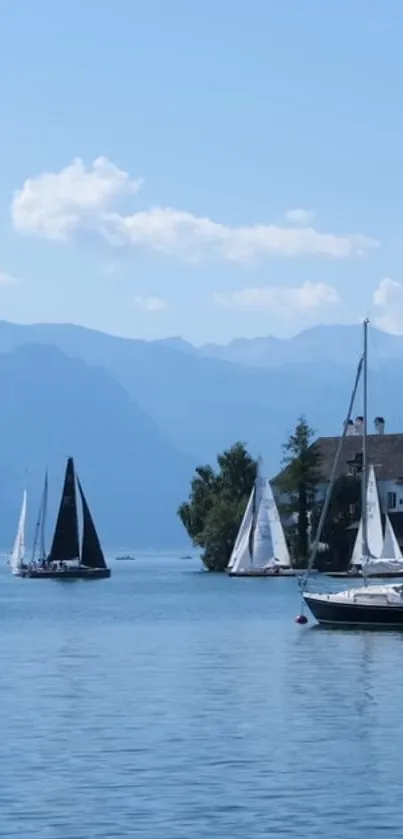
354, 614
78, 573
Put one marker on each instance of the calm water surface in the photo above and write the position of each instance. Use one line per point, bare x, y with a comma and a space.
170, 704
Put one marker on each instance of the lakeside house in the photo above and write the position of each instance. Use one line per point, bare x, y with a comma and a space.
385, 453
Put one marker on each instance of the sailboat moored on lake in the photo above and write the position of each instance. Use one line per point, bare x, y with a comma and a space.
68, 560
372, 606
384, 555
260, 548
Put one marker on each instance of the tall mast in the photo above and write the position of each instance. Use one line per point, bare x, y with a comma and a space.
364, 480
43, 516
39, 527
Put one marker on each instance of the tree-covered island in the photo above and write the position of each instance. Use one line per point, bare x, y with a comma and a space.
218, 497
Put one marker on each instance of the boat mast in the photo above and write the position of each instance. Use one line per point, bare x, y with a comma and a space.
43, 516
364, 475
314, 548
38, 525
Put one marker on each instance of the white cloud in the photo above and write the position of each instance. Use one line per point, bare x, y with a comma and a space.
308, 297
299, 216
183, 234
150, 304
388, 299
54, 205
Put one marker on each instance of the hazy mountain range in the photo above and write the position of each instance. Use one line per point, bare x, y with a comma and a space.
337, 344
138, 416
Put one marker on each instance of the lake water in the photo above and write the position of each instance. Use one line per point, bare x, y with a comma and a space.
165, 703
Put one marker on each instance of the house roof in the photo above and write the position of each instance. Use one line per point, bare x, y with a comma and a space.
385, 452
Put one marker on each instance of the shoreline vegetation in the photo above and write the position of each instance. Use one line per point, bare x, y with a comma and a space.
218, 497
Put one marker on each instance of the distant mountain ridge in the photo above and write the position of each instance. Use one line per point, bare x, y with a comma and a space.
161, 407
338, 344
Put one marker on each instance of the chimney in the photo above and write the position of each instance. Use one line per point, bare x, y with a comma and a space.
350, 429
358, 425
379, 425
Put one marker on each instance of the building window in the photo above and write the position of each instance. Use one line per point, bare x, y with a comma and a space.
391, 500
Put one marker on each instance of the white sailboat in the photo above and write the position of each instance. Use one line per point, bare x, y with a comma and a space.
367, 605
243, 532
260, 548
17, 555
374, 526
391, 548
390, 562
40, 527
384, 554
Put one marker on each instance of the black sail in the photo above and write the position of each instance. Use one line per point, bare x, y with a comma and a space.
65, 543
92, 554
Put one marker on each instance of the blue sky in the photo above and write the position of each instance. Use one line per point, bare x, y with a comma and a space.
210, 124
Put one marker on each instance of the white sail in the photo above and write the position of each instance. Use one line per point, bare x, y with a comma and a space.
358, 550
241, 558
18, 552
263, 549
390, 549
374, 525
266, 546
242, 532
391, 559
281, 554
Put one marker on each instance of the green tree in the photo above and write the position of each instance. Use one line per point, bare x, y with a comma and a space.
298, 483
217, 501
344, 511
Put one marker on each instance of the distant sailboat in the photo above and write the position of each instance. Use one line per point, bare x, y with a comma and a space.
260, 548
39, 537
390, 562
17, 555
243, 533
391, 548
384, 556
66, 559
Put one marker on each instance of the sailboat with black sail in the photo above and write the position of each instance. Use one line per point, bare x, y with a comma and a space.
66, 559
368, 606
